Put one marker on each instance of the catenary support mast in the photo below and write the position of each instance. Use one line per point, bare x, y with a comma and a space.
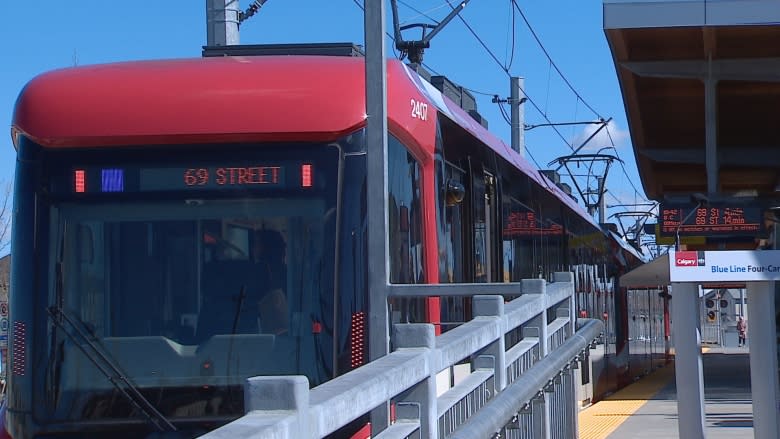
222, 17
516, 100
376, 160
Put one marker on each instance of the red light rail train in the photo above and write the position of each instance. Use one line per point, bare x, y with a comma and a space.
181, 225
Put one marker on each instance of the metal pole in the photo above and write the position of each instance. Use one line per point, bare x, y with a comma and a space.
763, 359
742, 302
376, 170
602, 201
711, 131
222, 22
688, 367
667, 326
516, 99
720, 327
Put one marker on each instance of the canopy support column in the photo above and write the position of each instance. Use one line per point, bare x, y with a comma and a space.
763, 359
688, 367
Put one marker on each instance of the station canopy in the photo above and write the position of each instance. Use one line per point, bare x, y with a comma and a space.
651, 275
695, 70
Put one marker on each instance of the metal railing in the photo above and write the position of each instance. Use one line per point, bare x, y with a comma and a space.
525, 391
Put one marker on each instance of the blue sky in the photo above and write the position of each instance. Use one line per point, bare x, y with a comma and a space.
50, 35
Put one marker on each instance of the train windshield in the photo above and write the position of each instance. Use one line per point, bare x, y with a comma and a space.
188, 292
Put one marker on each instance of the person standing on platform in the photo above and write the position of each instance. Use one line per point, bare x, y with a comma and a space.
741, 331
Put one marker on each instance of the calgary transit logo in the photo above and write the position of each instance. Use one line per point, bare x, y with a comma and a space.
689, 259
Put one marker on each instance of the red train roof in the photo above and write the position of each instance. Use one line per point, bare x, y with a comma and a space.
194, 100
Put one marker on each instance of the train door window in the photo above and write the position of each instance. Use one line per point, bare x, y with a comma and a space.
453, 231
405, 228
551, 234
519, 223
405, 215
454, 310
483, 194
490, 227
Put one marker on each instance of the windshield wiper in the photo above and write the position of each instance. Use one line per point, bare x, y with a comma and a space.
241, 298
104, 364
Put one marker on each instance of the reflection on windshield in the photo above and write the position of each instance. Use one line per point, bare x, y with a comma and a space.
189, 298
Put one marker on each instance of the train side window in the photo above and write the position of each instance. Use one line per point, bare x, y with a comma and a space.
519, 231
405, 214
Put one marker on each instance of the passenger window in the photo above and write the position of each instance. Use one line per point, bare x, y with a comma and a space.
405, 215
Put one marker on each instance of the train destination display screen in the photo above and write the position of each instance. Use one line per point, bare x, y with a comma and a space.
219, 177
229, 176
723, 220
526, 224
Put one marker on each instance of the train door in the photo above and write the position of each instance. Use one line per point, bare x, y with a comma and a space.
454, 236
484, 217
455, 248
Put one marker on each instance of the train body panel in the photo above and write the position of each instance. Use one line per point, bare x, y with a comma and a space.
192, 168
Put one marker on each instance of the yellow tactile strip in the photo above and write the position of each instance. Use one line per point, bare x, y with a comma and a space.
601, 419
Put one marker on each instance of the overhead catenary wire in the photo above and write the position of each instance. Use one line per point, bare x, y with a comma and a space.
512, 50
528, 151
509, 75
507, 119
397, 55
505, 69
579, 97
421, 13
622, 165
552, 63
253, 8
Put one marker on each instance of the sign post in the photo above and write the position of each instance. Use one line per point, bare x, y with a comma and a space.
3, 338
760, 269
688, 365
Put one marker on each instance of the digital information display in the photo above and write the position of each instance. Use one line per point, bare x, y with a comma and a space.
114, 179
221, 177
526, 224
726, 221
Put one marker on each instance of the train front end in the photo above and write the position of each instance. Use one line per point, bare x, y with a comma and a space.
174, 236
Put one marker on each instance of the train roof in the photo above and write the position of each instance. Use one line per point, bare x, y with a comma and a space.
228, 99
193, 101
464, 120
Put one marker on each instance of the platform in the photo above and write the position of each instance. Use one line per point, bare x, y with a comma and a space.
648, 408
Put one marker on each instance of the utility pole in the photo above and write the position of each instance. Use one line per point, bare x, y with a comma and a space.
516, 100
222, 18
376, 170
602, 200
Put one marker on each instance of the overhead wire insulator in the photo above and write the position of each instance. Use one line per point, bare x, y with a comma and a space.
251, 10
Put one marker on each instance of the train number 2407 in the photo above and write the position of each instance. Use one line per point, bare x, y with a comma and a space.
419, 110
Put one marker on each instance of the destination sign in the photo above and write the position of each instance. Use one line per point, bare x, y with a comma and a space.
722, 220
284, 175
218, 177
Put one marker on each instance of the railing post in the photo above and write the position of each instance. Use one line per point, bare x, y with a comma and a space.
539, 416
539, 286
557, 407
421, 335
568, 277
570, 424
525, 420
565, 312
280, 393
493, 306
572, 427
